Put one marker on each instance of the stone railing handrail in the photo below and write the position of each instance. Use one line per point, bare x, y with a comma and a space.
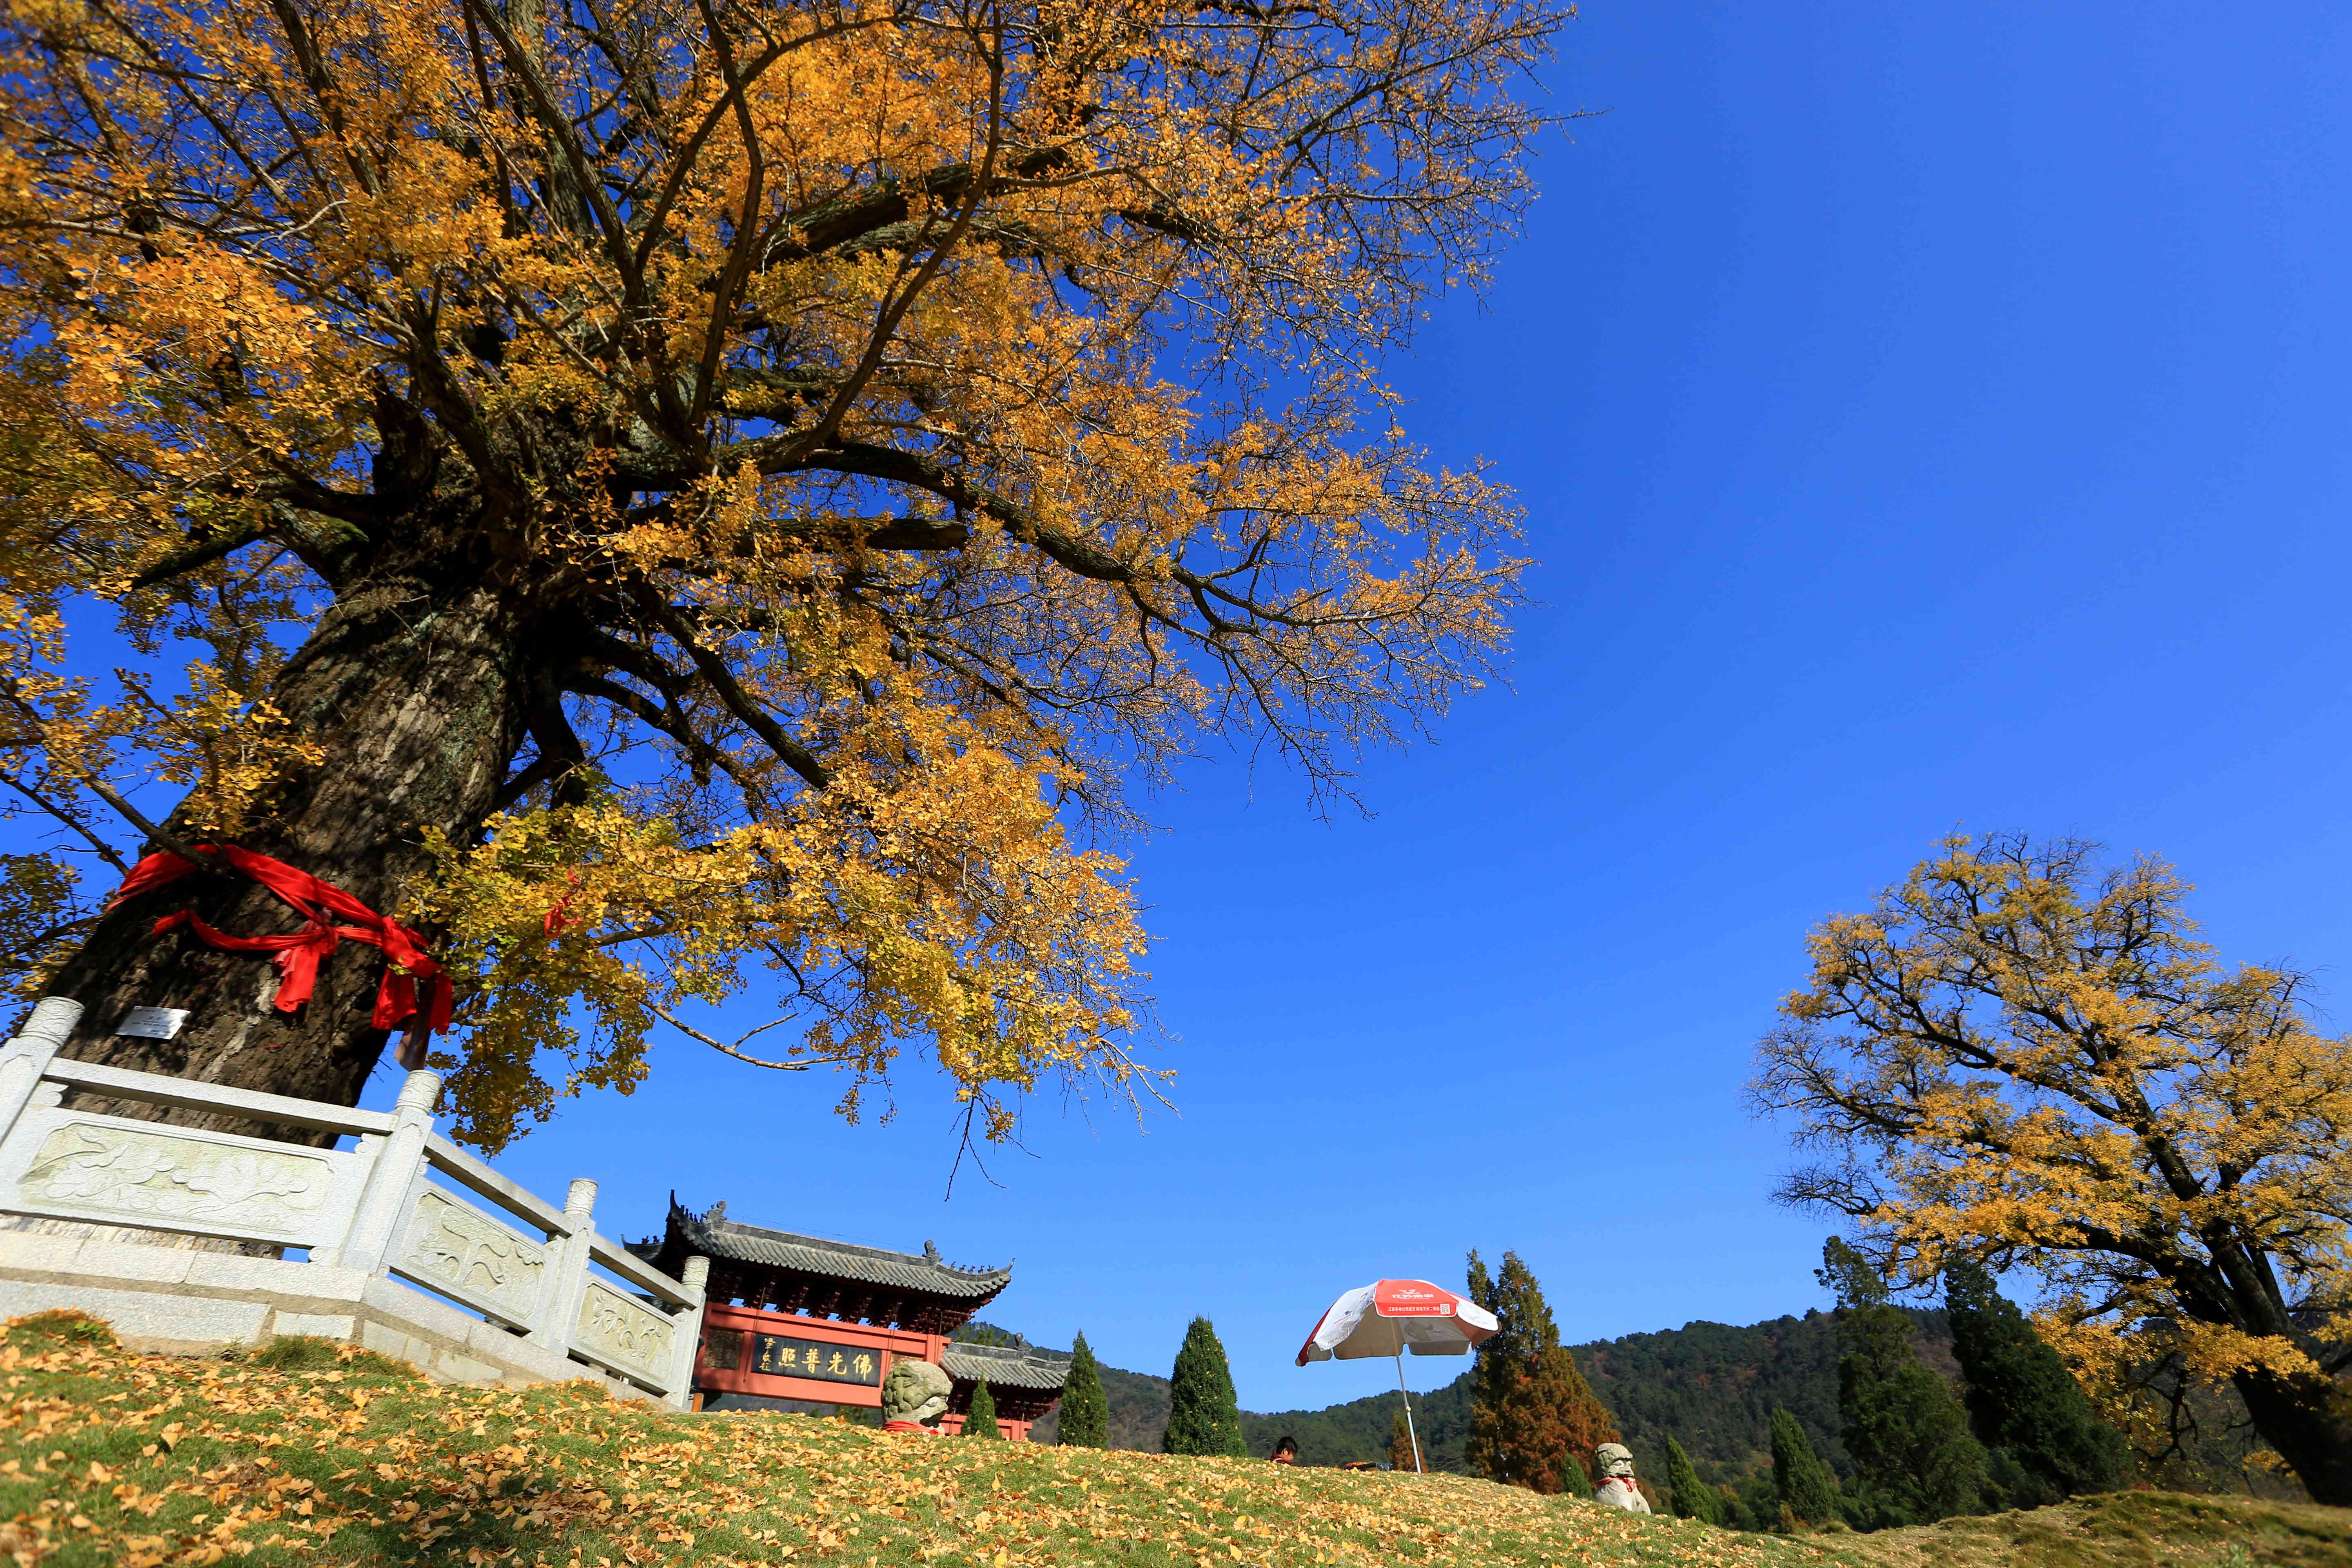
468, 1171
611, 1255
187, 1094
369, 1208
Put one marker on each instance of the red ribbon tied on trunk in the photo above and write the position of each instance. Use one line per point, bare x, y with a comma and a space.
298, 954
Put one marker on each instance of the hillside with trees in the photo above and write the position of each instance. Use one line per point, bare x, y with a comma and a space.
1711, 1386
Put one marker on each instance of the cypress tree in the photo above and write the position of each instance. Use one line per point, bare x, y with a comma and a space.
1528, 1404
1692, 1499
1575, 1479
1736, 1514
979, 1421
2023, 1402
1203, 1416
1085, 1414
1915, 1461
1399, 1444
1806, 1487
1757, 1505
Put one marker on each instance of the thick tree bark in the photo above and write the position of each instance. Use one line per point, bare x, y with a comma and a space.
416, 693
2309, 1421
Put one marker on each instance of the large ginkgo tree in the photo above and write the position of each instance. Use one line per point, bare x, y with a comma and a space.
2020, 1056
663, 498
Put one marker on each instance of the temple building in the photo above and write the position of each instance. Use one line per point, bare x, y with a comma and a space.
796, 1320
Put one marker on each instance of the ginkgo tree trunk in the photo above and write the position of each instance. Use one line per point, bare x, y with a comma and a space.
671, 499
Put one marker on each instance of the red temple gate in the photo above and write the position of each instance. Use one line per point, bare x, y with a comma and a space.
798, 1318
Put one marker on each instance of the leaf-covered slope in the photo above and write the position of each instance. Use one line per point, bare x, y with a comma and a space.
143, 1461
2123, 1530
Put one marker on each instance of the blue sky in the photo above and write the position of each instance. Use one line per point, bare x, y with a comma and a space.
1926, 415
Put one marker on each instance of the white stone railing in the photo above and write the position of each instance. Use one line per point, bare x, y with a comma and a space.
374, 1207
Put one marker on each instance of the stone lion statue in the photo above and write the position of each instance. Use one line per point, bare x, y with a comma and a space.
914, 1396
1616, 1486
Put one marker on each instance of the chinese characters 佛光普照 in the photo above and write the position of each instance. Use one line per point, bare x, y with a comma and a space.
781, 1357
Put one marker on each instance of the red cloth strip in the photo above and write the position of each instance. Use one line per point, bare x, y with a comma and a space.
298, 954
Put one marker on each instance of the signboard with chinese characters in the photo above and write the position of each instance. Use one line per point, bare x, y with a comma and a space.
783, 1357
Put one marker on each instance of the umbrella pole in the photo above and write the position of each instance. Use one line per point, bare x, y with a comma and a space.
1418, 1468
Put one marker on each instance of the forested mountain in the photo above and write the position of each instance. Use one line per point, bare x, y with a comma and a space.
1711, 1386
1359, 1428
1138, 1411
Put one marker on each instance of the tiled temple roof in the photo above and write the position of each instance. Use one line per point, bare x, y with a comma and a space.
716, 1237
1007, 1366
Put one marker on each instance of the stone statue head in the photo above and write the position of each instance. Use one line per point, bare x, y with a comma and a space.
1614, 1460
914, 1391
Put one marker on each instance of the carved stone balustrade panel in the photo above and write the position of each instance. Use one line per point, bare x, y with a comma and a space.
74, 1165
458, 1250
623, 1334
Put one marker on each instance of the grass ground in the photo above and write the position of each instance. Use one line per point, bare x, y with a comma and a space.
2125, 1529
303, 1456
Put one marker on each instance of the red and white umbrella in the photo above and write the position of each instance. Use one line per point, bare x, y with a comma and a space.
1389, 1317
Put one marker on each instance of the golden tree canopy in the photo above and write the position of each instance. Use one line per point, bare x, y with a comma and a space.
638, 488
2020, 1056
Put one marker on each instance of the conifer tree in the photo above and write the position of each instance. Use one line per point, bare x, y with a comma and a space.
1529, 1405
1753, 1504
1806, 1487
1575, 1479
1692, 1499
1915, 1461
2022, 1400
1085, 1414
979, 1421
1203, 1416
1400, 1444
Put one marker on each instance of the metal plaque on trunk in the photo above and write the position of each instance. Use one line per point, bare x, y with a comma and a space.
783, 1357
152, 1023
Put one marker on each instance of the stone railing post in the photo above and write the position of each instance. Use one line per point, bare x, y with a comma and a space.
687, 1344
560, 1310
399, 1160
27, 1057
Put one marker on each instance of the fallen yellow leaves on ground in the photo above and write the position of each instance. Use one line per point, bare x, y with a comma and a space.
132, 1461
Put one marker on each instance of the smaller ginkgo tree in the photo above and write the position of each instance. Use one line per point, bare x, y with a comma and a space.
2024, 1056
